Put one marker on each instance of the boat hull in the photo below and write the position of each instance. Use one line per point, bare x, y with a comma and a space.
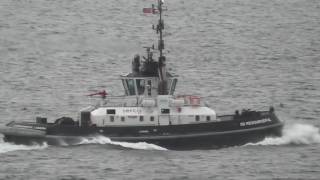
199, 140
227, 130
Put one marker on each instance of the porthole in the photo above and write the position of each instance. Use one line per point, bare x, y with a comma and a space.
141, 118
151, 118
197, 118
208, 118
122, 119
111, 118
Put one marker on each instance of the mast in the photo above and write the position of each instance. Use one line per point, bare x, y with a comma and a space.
160, 27
151, 67
162, 71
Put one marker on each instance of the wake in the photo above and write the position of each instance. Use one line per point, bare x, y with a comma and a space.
8, 147
296, 134
105, 140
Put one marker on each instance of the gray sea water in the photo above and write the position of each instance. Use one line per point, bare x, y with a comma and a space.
234, 53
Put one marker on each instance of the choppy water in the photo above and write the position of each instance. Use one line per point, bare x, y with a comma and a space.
236, 53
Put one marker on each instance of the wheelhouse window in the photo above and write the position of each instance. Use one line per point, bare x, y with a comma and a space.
125, 86
169, 85
130, 85
140, 86
149, 87
173, 86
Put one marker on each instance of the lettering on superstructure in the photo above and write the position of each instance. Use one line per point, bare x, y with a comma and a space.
132, 110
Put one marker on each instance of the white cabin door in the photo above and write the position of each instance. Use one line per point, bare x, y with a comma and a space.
164, 120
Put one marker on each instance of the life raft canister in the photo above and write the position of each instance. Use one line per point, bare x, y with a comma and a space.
194, 100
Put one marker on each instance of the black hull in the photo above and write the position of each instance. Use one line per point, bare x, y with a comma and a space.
211, 140
207, 140
230, 130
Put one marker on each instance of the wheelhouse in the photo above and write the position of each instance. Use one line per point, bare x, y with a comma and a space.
146, 86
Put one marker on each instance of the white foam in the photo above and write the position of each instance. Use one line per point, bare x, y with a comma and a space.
105, 140
299, 134
8, 147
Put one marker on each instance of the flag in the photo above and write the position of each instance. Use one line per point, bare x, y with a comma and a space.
149, 10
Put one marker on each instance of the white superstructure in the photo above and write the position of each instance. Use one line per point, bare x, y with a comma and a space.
151, 111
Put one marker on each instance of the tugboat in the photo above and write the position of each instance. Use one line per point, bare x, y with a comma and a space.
151, 112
